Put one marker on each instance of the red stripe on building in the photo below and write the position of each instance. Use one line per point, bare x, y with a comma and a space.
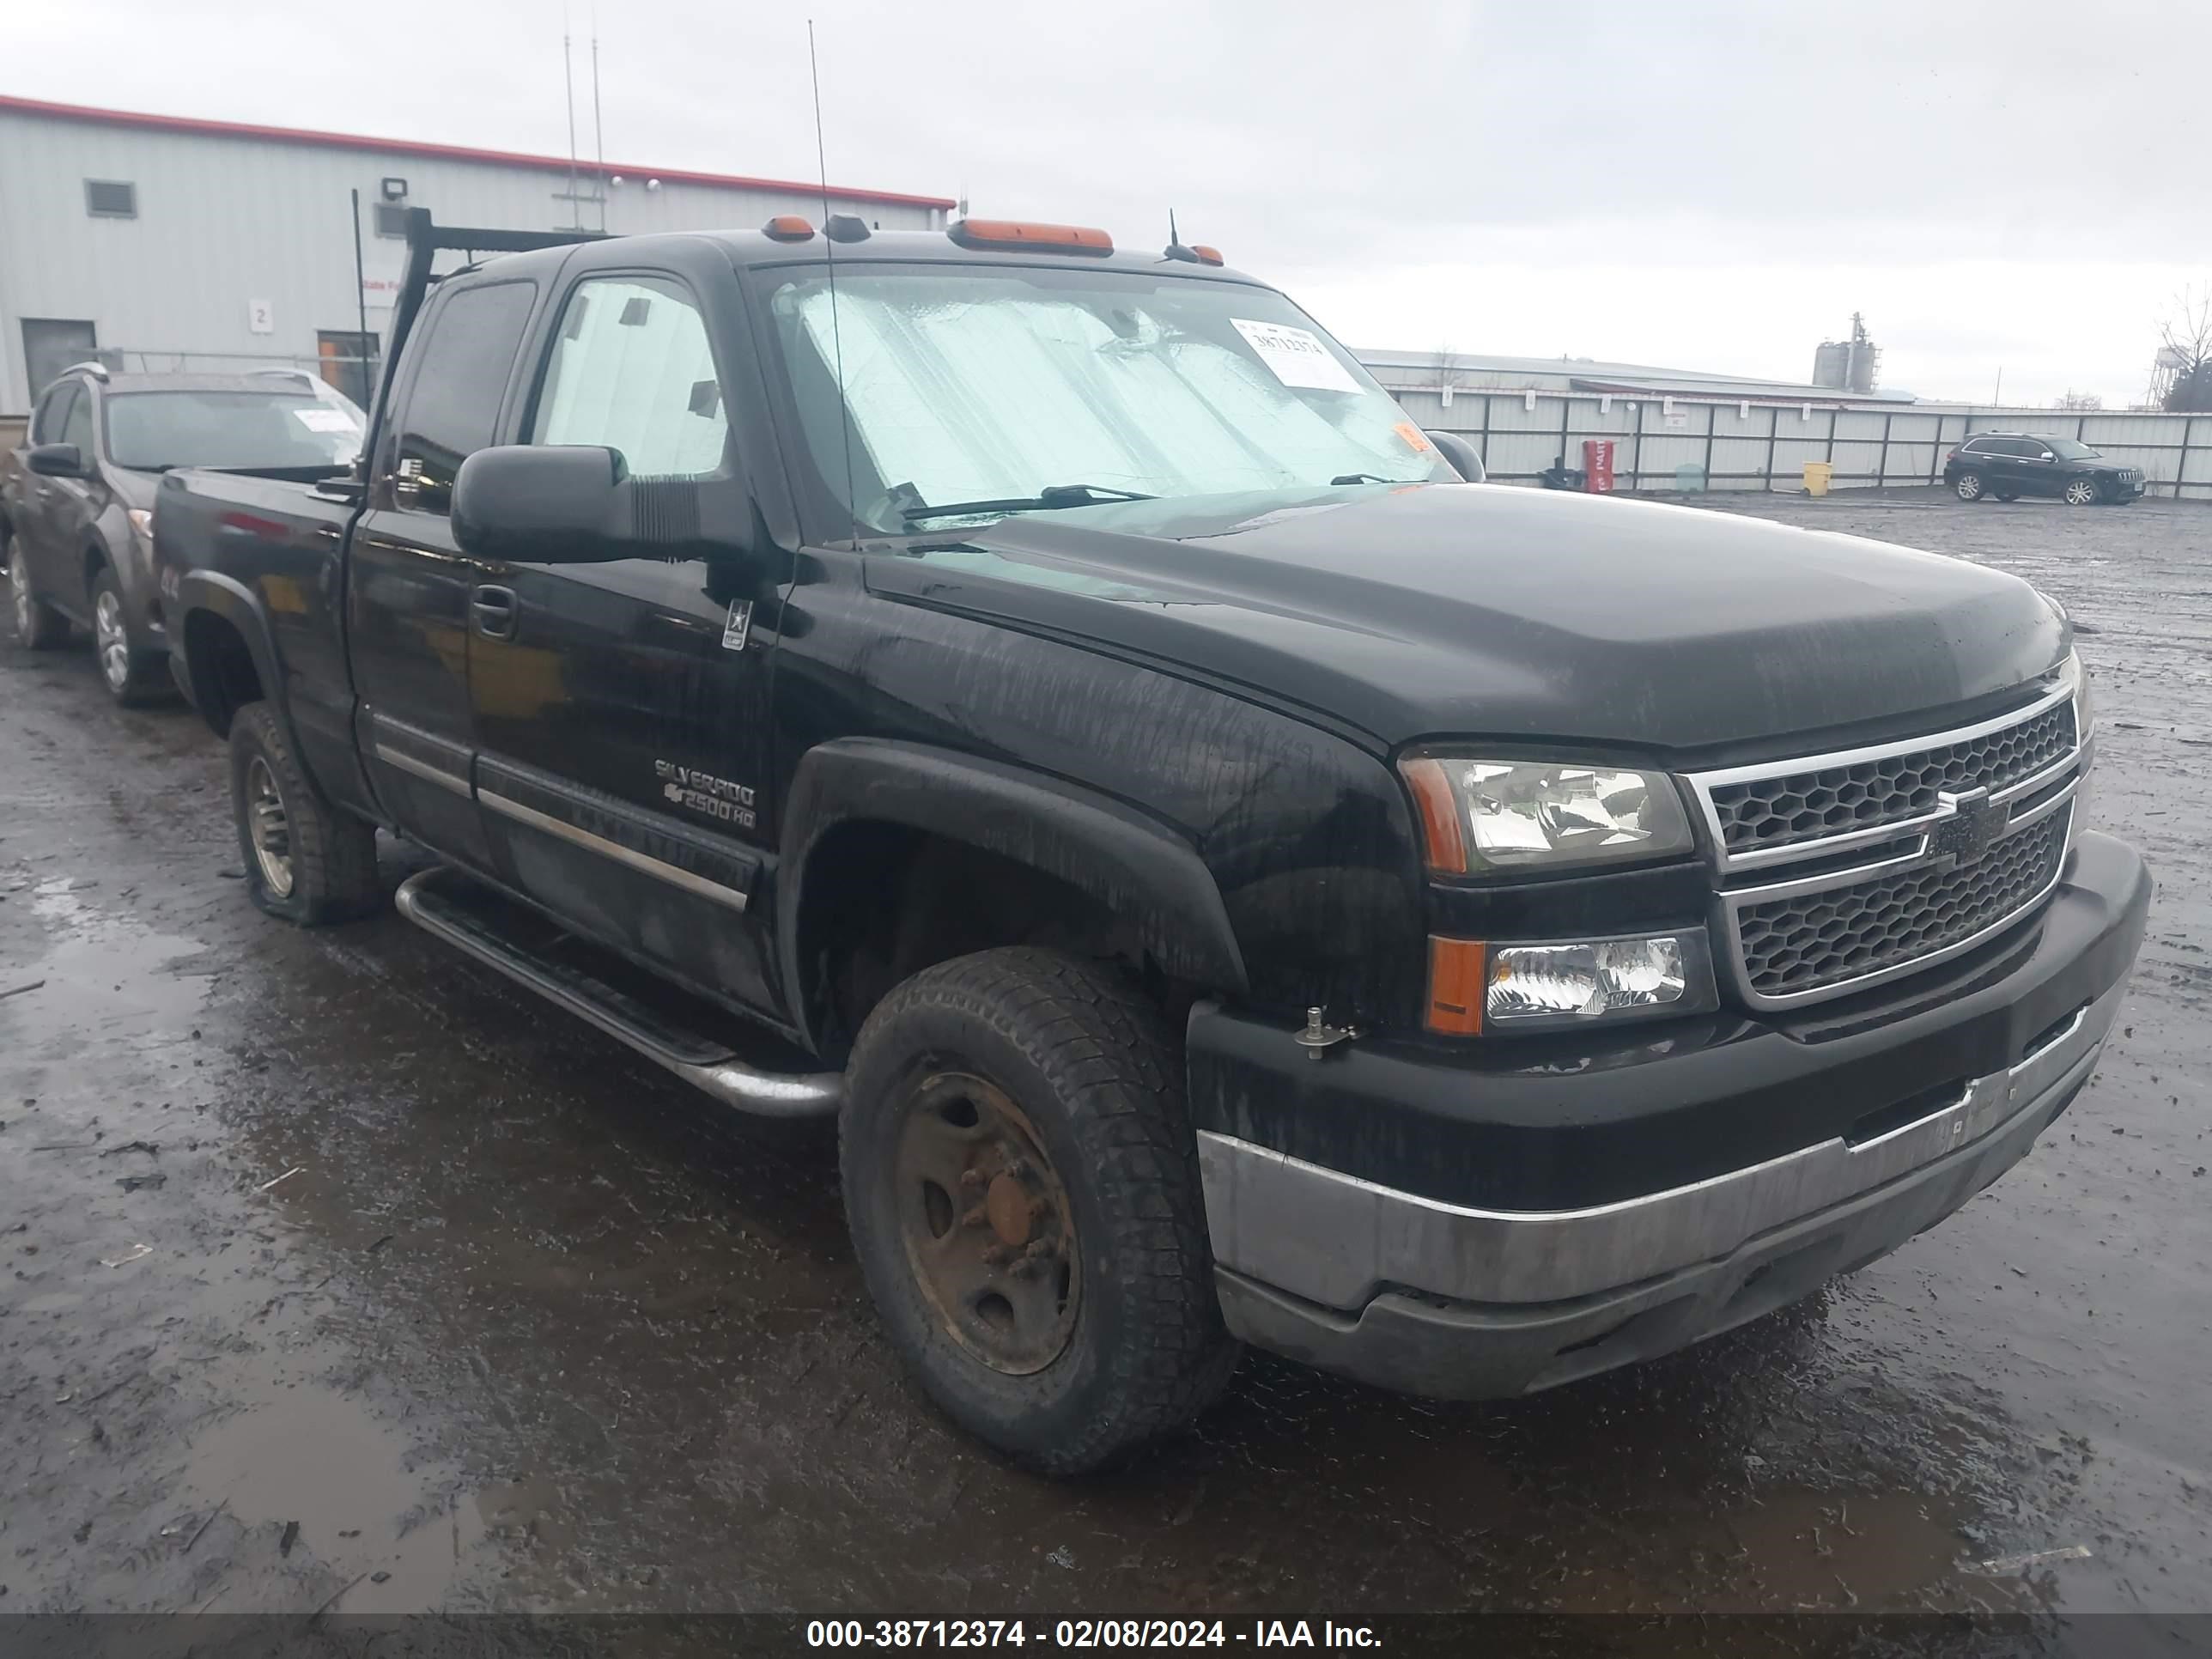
116, 118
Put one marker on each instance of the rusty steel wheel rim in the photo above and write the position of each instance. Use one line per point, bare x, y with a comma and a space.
989, 1234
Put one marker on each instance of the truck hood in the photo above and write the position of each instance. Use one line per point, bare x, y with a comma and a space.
1485, 611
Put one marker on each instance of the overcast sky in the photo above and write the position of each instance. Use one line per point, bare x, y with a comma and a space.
2019, 186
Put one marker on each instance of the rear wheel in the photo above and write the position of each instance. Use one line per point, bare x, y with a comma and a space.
1022, 1184
39, 627
134, 677
2082, 492
1969, 486
304, 862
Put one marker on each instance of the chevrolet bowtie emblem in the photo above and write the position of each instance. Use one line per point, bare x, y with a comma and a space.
1964, 835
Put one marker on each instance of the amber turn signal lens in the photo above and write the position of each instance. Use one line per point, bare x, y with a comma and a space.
1456, 986
1443, 842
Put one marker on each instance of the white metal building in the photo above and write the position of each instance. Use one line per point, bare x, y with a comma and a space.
155, 241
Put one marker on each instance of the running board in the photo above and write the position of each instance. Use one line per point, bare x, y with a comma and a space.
470, 918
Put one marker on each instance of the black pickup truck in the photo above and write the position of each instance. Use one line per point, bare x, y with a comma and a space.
1229, 877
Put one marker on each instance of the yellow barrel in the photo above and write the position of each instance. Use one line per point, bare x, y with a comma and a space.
1817, 474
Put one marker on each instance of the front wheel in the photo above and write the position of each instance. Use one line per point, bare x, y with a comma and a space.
1022, 1184
133, 676
2082, 492
1969, 486
304, 862
39, 627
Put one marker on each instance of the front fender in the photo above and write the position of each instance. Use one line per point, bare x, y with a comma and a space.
1137, 868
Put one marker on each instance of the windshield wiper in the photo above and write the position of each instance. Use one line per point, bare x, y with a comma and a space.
1369, 478
1051, 498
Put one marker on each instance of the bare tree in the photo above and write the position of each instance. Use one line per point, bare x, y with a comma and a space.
2070, 399
1443, 373
2185, 342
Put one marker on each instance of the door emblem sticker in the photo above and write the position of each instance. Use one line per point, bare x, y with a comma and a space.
739, 625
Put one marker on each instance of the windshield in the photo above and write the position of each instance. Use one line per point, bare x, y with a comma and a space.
1005, 390
153, 431
2067, 450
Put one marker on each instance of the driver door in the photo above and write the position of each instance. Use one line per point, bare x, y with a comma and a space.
622, 708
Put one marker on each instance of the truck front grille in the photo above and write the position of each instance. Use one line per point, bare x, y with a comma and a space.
1809, 805
1811, 942
1840, 870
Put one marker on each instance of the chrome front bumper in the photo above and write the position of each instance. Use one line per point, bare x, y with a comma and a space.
1338, 1243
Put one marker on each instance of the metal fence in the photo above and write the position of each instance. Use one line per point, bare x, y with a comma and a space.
1668, 444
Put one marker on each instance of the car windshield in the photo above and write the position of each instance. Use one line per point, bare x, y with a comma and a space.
976, 392
2067, 450
153, 431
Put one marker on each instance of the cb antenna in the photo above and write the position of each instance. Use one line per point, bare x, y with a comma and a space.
830, 256
599, 134
568, 86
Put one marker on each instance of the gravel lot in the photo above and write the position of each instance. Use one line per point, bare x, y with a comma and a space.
337, 1230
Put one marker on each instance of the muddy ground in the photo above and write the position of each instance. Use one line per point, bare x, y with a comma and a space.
336, 1273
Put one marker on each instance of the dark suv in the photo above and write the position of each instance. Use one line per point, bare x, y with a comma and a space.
2011, 465
77, 500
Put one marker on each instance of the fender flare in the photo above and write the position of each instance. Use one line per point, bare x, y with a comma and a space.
1140, 868
235, 603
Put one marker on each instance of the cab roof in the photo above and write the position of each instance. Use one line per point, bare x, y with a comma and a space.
756, 249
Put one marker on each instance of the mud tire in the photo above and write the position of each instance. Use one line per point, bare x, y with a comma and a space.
332, 855
1098, 1073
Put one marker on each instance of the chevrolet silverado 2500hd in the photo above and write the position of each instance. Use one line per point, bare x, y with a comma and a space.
1230, 878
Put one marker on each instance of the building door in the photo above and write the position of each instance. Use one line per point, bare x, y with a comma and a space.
348, 361
51, 345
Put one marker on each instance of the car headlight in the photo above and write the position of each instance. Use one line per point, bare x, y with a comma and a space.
1480, 815
1475, 986
2085, 711
142, 520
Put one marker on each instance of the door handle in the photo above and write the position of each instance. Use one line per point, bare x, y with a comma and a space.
493, 609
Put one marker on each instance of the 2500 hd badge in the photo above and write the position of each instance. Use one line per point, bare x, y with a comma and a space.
700, 791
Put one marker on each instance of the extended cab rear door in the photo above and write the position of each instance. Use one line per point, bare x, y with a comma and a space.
622, 708
410, 589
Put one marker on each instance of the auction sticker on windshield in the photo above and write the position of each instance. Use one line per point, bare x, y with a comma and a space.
323, 420
1296, 356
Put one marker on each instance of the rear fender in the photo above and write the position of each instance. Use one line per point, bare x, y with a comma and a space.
222, 596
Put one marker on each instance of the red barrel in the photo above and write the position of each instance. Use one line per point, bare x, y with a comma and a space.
1597, 465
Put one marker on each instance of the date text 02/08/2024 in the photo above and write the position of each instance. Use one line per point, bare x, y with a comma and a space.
1085, 1633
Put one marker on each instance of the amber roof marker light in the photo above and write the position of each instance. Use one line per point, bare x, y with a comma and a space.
1021, 233
787, 227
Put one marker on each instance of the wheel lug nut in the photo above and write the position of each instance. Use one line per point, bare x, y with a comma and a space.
972, 1179
977, 1216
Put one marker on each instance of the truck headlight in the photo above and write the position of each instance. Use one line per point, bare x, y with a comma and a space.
1480, 815
2085, 712
142, 520
1475, 986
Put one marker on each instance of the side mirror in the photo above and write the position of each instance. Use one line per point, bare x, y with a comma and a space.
1465, 458
2046, 455
57, 461
571, 504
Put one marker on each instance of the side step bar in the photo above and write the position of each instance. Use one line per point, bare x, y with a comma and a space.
438, 901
